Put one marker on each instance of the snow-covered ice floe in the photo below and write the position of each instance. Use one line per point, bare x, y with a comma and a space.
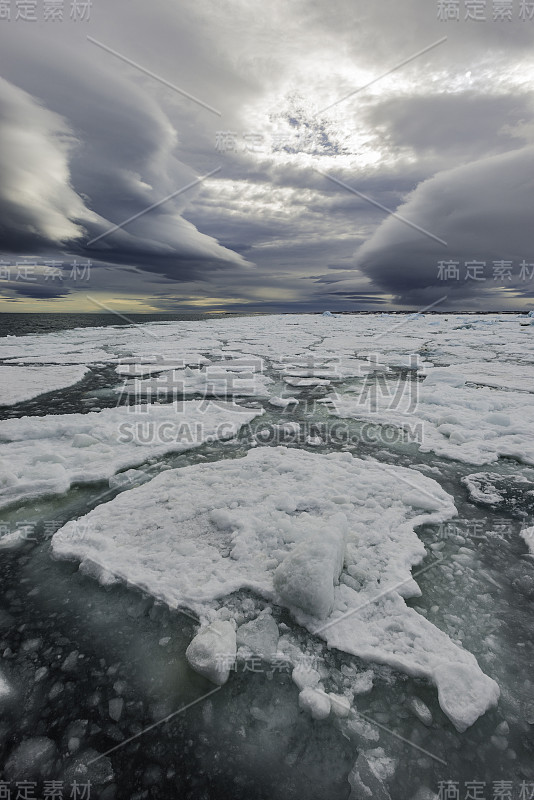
499, 374
18, 384
473, 425
216, 380
329, 537
47, 455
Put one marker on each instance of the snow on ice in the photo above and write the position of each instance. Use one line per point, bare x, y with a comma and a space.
473, 425
47, 455
328, 536
18, 384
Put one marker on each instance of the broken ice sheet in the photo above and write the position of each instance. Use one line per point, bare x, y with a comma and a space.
330, 537
472, 425
47, 455
18, 384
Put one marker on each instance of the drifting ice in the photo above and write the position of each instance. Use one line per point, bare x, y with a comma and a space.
330, 537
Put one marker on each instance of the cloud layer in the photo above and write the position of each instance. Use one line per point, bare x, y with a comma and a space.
87, 141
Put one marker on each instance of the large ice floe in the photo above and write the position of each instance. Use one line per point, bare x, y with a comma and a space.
464, 423
215, 380
47, 455
24, 383
328, 536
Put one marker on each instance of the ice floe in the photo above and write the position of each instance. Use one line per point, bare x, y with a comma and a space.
21, 383
216, 380
330, 537
47, 455
499, 374
474, 425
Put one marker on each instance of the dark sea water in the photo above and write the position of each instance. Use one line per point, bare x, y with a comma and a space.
21, 324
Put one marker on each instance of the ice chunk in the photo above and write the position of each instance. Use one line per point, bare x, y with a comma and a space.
304, 677
315, 703
421, 710
15, 539
304, 383
306, 577
527, 534
282, 402
340, 705
115, 707
260, 635
464, 692
88, 766
363, 682
6, 692
71, 662
482, 488
125, 480
212, 651
31, 759
369, 775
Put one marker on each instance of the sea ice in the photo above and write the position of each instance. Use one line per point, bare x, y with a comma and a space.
260, 636
6, 691
223, 379
370, 774
499, 374
212, 652
47, 455
473, 425
18, 384
316, 703
31, 759
266, 523
282, 402
527, 534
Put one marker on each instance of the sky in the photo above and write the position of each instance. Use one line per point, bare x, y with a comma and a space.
236, 155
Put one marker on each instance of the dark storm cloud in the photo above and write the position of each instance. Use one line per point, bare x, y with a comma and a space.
84, 150
37, 289
483, 211
373, 299
86, 141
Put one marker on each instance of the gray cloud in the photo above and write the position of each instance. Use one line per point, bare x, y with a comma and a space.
452, 127
100, 151
88, 141
37, 203
483, 211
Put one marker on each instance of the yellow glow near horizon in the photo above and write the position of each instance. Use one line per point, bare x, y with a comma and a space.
78, 304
